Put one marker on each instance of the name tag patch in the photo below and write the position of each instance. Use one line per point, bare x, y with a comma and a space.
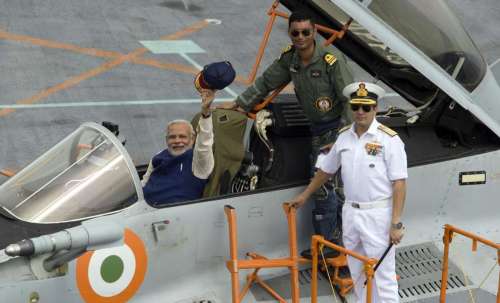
315, 73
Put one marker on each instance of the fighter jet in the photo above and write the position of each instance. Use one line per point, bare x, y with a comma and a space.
79, 229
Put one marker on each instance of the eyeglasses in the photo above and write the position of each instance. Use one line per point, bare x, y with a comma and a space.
305, 33
365, 108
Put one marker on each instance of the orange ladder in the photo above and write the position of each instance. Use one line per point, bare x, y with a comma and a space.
448, 235
258, 261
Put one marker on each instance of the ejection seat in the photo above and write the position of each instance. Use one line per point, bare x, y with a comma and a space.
229, 131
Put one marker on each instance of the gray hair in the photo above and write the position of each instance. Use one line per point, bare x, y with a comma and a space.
180, 121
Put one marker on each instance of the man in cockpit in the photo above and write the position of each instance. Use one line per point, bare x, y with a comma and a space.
318, 77
180, 172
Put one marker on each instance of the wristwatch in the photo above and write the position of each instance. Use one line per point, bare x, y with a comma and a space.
397, 225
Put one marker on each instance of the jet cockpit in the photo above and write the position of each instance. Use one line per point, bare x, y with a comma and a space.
86, 174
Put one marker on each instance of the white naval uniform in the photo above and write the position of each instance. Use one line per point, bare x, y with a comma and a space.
367, 177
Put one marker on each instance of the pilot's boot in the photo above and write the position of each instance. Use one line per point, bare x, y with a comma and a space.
324, 218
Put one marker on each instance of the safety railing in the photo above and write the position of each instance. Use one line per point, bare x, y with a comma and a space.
449, 230
369, 265
256, 261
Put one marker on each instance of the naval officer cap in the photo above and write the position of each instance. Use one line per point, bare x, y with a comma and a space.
363, 93
216, 75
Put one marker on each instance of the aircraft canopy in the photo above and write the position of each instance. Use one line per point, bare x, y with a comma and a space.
87, 174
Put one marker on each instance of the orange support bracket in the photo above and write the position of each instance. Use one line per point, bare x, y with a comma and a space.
257, 261
369, 265
449, 230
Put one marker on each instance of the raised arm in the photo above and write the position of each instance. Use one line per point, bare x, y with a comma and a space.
203, 158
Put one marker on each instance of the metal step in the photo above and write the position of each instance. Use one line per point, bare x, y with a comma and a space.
281, 285
419, 268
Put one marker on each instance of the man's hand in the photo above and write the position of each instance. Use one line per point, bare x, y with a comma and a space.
396, 235
298, 201
207, 97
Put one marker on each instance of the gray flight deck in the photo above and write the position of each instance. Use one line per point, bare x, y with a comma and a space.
63, 62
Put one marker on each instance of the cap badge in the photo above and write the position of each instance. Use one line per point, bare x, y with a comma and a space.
362, 92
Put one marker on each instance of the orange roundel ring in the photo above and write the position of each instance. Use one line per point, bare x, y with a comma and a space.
112, 275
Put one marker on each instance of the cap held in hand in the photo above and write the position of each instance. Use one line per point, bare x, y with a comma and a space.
216, 75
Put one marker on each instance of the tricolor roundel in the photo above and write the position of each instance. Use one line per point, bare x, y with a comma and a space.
112, 274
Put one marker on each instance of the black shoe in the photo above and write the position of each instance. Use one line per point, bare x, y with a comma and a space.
344, 272
327, 252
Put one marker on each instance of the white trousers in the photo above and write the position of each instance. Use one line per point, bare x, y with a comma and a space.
366, 231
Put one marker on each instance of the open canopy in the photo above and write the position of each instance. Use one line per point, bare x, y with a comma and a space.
89, 173
403, 40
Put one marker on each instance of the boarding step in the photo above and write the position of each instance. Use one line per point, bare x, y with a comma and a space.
419, 269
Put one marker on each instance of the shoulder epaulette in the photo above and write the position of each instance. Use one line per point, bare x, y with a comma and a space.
330, 59
286, 49
343, 129
387, 130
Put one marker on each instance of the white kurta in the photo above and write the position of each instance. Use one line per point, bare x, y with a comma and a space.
370, 164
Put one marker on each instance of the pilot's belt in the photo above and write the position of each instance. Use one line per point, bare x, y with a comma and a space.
368, 205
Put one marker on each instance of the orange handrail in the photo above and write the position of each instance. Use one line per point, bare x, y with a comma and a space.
257, 261
448, 235
273, 13
369, 266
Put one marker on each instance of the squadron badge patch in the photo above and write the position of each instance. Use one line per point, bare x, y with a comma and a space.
323, 104
373, 148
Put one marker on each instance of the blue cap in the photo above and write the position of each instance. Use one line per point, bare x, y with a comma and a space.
216, 75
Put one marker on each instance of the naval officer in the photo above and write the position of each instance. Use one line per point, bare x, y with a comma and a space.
374, 171
318, 77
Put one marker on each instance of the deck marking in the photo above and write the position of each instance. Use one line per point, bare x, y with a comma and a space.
102, 53
102, 68
172, 47
59, 45
214, 21
107, 103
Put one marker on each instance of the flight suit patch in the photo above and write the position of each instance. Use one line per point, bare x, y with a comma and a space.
323, 104
285, 50
315, 73
223, 119
373, 148
330, 59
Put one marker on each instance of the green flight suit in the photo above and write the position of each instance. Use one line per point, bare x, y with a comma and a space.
318, 86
